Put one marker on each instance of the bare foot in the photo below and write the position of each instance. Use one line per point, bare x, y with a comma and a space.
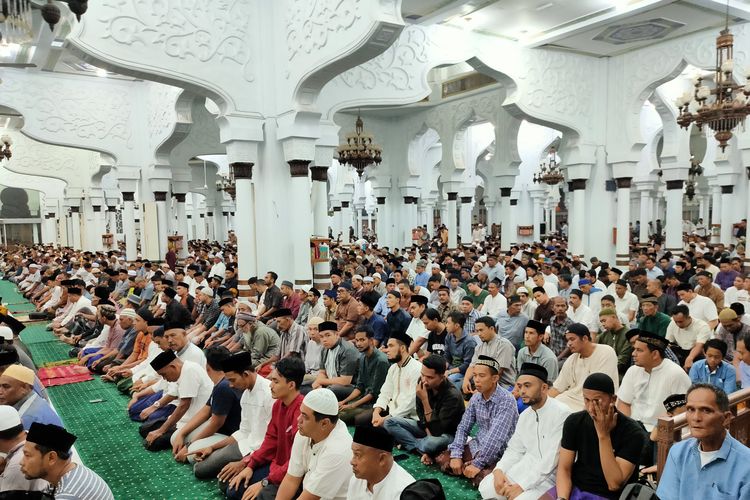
427, 460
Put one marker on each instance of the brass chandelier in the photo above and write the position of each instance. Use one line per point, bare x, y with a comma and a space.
359, 151
549, 172
729, 106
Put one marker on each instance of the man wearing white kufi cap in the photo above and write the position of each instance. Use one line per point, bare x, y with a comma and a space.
321, 452
12, 438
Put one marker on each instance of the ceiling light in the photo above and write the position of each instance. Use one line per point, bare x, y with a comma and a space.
101, 72
57, 44
544, 6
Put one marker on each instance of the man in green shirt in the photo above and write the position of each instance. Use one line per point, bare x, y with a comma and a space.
371, 371
652, 320
477, 294
613, 335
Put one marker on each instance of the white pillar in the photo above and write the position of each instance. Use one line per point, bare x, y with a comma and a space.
209, 224
299, 198
162, 221
506, 231
382, 222
429, 212
716, 214
182, 223
674, 217
577, 217
98, 228
450, 224
346, 220
553, 216
358, 219
321, 270
128, 225
465, 220
536, 216
410, 221
622, 247
646, 206
75, 226
726, 214
247, 254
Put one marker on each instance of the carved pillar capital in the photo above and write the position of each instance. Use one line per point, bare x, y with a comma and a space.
242, 169
298, 168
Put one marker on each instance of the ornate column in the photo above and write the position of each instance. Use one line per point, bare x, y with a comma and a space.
210, 223
506, 229
346, 220
537, 212
112, 219
465, 219
382, 224
220, 225
182, 223
75, 226
247, 254
715, 214
321, 270
451, 216
162, 221
128, 225
299, 197
429, 215
645, 212
577, 217
358, 208
622, 247
674, 216
98, 227
703, 208
726, 214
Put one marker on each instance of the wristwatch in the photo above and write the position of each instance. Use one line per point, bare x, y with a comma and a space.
264, 482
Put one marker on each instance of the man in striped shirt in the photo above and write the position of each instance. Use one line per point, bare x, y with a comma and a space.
46, 455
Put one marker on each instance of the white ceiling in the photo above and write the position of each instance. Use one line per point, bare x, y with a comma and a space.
624, 25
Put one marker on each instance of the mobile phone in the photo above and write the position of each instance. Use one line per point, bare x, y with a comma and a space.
96, 401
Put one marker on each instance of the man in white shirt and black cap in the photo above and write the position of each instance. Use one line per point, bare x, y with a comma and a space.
376, 475
528, 466
321, 452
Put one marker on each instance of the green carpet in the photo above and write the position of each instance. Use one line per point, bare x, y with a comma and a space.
108, 441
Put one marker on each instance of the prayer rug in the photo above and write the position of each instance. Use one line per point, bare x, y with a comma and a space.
62, 375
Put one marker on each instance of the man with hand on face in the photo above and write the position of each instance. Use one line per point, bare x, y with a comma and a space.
376, 475
321, 453
711, 463
440, 407
527, 469
600, 447
495, 412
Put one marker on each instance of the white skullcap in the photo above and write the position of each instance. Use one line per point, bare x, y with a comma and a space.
322, 401
368, 279
208, 292
9, 418
483, 258
6, 333
377, 275
127, 313
132, 273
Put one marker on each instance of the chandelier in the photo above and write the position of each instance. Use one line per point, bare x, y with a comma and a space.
729, 106
5, 151
227, 185
17, 22
694, 171
549, 172
359, 151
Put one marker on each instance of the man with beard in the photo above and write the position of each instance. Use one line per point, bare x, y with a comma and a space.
529, 463
397, 392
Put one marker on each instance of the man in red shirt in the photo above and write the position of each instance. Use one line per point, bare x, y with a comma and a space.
261, 473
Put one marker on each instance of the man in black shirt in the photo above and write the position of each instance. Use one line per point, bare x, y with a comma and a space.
437, 338
440, 407
600, 447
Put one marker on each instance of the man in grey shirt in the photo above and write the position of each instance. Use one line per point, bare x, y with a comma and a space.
496, 347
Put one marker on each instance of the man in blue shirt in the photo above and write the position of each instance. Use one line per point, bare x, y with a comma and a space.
714, 370
17, 390
375, 322
422, 275
710, 464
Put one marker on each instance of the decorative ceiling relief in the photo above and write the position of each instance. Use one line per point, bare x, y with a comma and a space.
162, 114
69, 111
397, 68
206, 32
311, 23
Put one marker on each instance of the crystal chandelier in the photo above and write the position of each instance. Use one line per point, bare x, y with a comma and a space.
549, 172
5, 152
16, 22
359, 151
729, 106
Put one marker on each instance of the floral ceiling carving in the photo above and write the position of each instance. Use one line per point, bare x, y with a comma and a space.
311, 23
186, 30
